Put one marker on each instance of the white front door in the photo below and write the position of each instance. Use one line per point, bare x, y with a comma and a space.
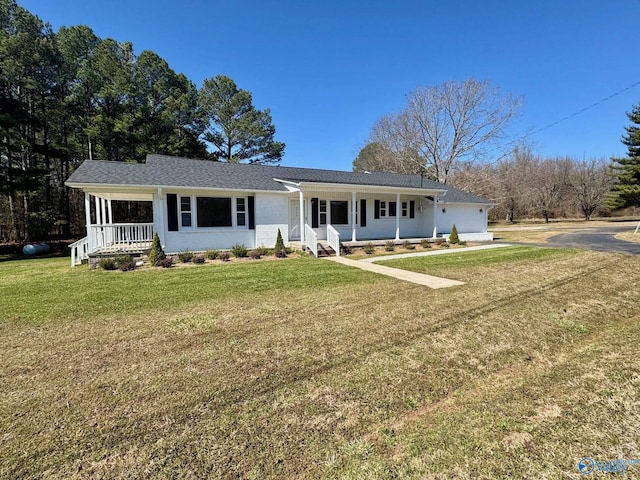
294, 220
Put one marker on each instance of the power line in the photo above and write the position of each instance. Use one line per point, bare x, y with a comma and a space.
585, 109
553, 124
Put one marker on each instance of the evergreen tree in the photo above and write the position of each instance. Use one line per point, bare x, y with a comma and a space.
235, 128
626, 192
156, 253
279, 243
453, 236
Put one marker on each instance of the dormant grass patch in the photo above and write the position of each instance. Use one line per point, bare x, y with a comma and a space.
308, 369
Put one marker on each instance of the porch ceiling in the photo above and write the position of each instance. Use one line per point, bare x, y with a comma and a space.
123, 196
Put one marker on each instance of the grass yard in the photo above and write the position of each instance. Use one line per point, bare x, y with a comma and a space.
305, 368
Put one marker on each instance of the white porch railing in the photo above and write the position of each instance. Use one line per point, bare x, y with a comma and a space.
311, 239
79, 251
116, 235
333, 239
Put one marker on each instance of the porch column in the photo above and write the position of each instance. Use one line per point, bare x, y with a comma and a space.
435, 210
87, 216
302, 219
398, 213
158, 223
486, 219
110, 211
98, 219
104, 210
353, 216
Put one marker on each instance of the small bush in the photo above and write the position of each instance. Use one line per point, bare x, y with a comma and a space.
453, 236
389, 246
425, 243
288, 250
408, 246
239, 251
122, 260
157, 253
186, 256
199, 259
444, 245
262, 250
107, 264
166, 262
279, 243
127, 267
346, 250
224, 256
212, 254
369, 248
463, 243
255, 255
281, 254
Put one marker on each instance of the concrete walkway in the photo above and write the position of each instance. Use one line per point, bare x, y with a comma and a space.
405, 275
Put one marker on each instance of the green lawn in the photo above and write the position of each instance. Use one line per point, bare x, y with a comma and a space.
304, 368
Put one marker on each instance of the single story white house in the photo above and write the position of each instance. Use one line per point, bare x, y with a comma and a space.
199, 205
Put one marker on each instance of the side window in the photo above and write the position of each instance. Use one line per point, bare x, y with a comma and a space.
323, 212
405, 210
185, 211
241, 211
383, 209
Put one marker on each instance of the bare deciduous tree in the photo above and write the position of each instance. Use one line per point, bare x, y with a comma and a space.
590, 182
443, 125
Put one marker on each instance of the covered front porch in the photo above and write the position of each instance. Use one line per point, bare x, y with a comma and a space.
330, 216
106, 236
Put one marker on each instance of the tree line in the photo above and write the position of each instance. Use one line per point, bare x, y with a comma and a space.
446, 132
70, 95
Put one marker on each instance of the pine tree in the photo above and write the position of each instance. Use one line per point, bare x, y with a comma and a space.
279, 243
453, 236
626, 192
157, 253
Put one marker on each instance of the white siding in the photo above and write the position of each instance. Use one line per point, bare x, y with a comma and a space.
467, 218
272, 213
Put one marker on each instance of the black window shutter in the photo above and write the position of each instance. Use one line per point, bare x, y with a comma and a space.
363, 212
314, 213
376, 212
172, 211
412, 209
251, 204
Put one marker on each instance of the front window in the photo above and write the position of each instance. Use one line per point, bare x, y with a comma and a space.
405, 209
214, 212
323, 212
185, 211
383, 209
339, 212
241, 212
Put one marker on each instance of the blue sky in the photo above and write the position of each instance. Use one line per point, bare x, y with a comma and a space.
328, 69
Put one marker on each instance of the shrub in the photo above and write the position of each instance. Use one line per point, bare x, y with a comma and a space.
157, 253
239, 251
212, 254
255, 255
425, 243
127, 267
444, 245
107, 264
262, 250
408, 246
279, 243
369, 248
281, 254
389, 246
463, 243
186, 256
122, 260
199, 259
166, 262
224, 256
453, 236
346, 250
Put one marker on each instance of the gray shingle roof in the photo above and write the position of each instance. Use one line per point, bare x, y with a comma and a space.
161, 170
